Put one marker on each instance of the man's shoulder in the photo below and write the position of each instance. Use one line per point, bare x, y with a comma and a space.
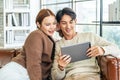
85, 33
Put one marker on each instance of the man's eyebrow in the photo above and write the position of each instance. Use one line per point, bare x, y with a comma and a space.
65, 21
62, 21
71, 19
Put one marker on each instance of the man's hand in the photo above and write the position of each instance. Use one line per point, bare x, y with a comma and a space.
95, 51
63, 61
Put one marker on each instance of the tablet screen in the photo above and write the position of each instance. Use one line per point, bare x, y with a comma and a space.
77, 51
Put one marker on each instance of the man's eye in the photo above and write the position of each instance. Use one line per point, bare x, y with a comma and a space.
71, 22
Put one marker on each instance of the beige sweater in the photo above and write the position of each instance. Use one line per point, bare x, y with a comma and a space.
86, 66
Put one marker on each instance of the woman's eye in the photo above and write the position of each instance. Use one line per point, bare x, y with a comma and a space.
47, 24
54, 23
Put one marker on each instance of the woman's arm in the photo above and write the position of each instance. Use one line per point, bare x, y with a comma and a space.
33, 49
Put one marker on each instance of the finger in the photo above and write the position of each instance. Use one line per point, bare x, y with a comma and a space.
66, 57
88, 50
62, 56
89, 54
92, 53
91, 49
68, 60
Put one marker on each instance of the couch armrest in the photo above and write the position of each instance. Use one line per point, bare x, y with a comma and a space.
6, 55
110, 67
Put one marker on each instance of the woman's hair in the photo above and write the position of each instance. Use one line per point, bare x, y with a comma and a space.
42, 14
61, 13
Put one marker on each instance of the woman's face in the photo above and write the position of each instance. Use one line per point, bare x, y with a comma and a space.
67, 25
48, 25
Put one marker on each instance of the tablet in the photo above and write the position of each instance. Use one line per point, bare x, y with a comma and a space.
77, 51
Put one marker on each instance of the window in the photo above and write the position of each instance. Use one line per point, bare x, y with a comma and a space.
111, 21
89, 16
55, 5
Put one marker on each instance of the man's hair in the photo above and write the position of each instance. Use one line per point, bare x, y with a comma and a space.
67, 11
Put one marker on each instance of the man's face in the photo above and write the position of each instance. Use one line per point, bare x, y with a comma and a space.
67, 25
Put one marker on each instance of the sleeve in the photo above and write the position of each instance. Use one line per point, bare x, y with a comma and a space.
108, 47
56, 73
33, 49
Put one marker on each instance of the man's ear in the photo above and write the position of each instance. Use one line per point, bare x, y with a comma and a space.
38, 25
57, 27
75, 20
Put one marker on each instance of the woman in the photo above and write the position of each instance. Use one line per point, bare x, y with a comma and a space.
36, 57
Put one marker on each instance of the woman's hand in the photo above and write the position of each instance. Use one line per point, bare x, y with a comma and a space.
95, 51
63, 61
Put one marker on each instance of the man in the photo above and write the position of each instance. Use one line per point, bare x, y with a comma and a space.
80, 70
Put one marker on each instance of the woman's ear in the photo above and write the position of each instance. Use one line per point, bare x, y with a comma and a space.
38, 25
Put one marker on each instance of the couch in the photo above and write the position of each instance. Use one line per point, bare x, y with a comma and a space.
109, 65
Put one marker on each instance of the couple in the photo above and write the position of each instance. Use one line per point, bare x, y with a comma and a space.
41, 58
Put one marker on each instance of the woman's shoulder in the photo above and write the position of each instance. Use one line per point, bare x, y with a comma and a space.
37, 33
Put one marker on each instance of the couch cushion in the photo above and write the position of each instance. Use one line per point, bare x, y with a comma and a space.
6, 56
